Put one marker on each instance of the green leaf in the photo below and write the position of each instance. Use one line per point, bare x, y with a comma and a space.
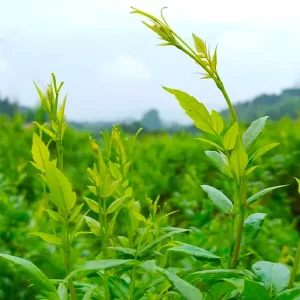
238, 160
250, 170
214, 61
94, 225
252, 227
36, 276
217, 122
49, 238
55, 216
62, 291
103, 264
274, 276
290, 294
199, 253
194, 109
253, 132
88, 295
128, 251
255, 291
260, 194
153, 244
116, 204
210, 142
40, 152
75, 212
45, 129
115, 171
186, 290
219, 199
61, 193
118, 287
220, 161
261, 151
200, 45
230, 136
298, 181
214, 275
93, 205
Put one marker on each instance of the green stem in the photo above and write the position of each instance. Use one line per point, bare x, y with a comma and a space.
103, 228
231, 237
67, 248
221, 87
295, 267
240, 226
68, 263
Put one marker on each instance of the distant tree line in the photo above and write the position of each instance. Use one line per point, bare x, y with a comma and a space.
287, 103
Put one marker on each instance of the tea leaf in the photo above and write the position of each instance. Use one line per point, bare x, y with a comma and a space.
238, 160
255, 291
214, 275
118, 287
217, 122
220, 161
200, 45
129, 251
49, 238
274, 276
250, 170
36, 276
298, 181
93, 205
55, 216
149, 246
219, 199
45, 129
214, 61
40, 152
194, 109
260, 194
290, 294
261, 151
75, 212
104, 264
210, 142
62, 291
252, 227
116, 204
88, 295
186, 290
230, 136
61, 193
199, 253
115, 171
112, 222
253, 132
94, 225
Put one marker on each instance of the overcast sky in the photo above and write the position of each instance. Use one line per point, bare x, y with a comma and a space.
113, 69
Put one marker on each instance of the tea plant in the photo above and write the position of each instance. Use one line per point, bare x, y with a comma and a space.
235, 157
130, 263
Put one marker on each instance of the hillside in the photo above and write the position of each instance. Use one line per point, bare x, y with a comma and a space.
287, 103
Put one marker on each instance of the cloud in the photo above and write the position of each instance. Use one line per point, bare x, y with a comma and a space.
128, 67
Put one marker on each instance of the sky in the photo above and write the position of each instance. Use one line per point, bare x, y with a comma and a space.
113, 68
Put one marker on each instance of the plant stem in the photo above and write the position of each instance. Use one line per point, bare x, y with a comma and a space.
231, 237
295, 266
240, 226
68, 264
103, 228
67, 248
